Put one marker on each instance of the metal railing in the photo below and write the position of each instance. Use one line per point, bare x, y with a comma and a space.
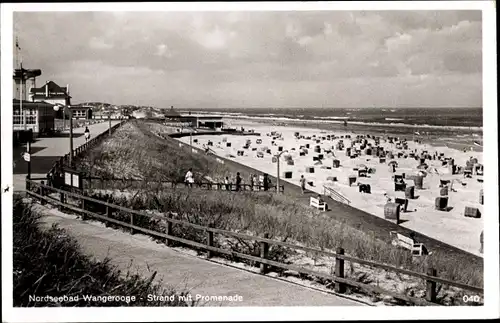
336, 196
63, 161
96, 182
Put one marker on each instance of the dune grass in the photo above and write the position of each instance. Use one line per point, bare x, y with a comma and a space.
50, 263
134, 151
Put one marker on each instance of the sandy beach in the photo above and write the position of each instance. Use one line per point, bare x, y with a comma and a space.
449, 226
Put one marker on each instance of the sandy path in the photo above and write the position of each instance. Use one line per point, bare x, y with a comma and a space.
200, 276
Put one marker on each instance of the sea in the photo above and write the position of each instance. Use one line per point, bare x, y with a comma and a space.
459, 128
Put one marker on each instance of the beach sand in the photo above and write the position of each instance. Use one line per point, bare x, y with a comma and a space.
451, 226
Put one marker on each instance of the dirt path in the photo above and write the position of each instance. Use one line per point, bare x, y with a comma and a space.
202, 277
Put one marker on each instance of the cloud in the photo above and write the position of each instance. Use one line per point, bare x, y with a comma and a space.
314, 58
163, 50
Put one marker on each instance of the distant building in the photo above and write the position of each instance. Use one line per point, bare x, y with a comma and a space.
28, 115
37, 116
51, 93
82, 111
196, 121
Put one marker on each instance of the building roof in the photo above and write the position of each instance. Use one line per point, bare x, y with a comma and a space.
54, 89
31, 104
172, 113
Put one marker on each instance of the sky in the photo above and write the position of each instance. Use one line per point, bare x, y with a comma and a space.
247, 59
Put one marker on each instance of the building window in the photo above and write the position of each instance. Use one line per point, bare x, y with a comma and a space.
79, 113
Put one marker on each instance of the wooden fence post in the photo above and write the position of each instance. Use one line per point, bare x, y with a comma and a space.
61, 198
109, 214
431, 286
210, 242
84, 215
42, 193
169, 232
132, 231
264, 249
339, 272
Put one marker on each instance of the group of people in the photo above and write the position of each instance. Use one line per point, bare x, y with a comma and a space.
253, 181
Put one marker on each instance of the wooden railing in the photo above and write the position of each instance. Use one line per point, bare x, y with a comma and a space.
77, 152
328, 191
94, 182
41, 192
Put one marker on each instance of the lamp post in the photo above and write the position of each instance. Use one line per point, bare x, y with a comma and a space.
64, 108
278, 166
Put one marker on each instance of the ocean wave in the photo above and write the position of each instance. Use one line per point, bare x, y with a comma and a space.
331, 118
391, 124
393, 119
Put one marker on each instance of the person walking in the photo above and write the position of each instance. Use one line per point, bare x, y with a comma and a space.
251, 182
238, 182
228, 185
189, 178
266, 182
87, 134
302, 184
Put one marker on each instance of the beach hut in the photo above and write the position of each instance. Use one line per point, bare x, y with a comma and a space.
392, 166
364, 188
331, 178
410, 192
336, 163
443, 191
472, 212
290, 162
419, 181
287, 174
260, 154
228, 144
280, 148
392, 211
348, 151
351, 179
310, 170
441, 203
403, 203
321, 156
258, 141
478, 169
481, 196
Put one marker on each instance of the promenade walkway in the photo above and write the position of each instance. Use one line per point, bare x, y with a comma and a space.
183, 271
46, 151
